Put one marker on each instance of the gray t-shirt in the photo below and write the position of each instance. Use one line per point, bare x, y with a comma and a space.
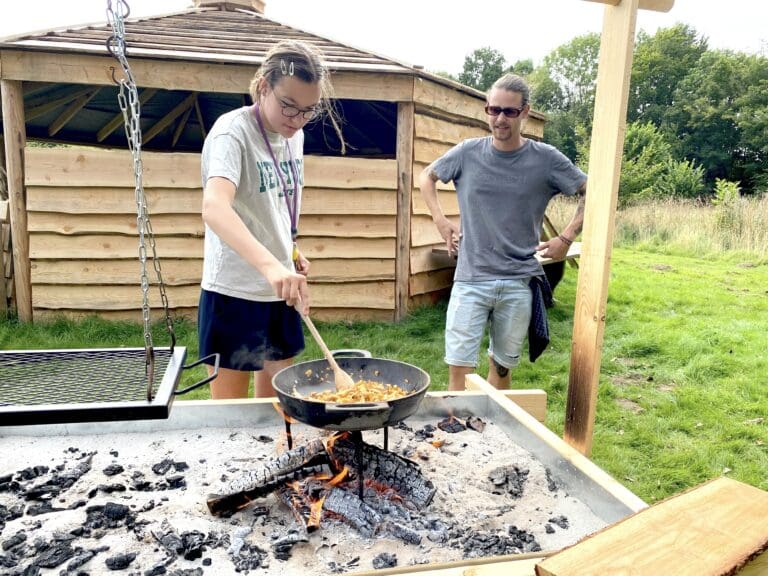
235, 150
502, 200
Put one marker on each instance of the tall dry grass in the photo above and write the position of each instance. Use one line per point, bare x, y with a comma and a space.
687, 226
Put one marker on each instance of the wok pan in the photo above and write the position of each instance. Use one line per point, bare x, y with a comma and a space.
294, 383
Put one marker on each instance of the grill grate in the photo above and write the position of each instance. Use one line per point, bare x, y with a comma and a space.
39, 386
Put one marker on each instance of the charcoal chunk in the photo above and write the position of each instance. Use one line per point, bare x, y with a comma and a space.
113, 470
120, 561
385, 560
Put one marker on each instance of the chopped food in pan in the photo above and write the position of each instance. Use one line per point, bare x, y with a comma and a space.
362, 391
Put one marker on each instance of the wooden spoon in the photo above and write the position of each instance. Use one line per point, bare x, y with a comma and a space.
342, 380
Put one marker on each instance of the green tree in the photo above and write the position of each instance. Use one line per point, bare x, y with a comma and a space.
482, 68
563, 86
659, 64
719, 117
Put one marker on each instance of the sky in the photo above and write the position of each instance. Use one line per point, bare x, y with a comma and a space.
438, 34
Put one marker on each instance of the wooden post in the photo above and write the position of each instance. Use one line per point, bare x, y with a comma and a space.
15, 140
605, 154
405, 126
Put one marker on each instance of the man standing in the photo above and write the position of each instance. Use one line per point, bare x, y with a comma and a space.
504, 183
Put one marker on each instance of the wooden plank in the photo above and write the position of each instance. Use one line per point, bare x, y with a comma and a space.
377, 294
424, 232
449, 202
46, 106
176, 272
431, 281
532, 400
434, 95
380, 204
179, 130
74, 224
330, 314
351, 270
135, 315
14, 135
427, 151
348, 202
616, 46
712, 529
314, 247
405, 112
98, 246
342, 226
425, 258
181, 74
117, 201
94, 167
655, 5
83, 167
450, 133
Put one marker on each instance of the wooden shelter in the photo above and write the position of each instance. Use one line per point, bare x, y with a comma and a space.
73, 210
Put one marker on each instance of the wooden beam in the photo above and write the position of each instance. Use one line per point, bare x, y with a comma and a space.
15, 140
183, 122
35, 111
118, 120
710, 530
199, 114
405, 123
70, 111
197, 76
166, 120
655, 5
605, 153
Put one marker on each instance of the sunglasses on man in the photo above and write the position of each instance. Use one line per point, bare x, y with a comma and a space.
509, 112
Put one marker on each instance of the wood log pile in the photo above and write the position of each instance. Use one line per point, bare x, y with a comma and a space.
300, 480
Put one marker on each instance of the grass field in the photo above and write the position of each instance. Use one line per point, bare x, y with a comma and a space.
683, 389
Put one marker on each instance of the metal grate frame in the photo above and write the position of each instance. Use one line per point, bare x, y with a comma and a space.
91, 385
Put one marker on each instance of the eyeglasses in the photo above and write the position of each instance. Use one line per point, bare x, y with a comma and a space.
291, 111
508, 112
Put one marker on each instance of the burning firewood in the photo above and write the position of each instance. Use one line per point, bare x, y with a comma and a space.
298, 463
388, 469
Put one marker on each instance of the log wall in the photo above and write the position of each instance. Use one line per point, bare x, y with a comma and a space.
444, 117
6, 259
83, 237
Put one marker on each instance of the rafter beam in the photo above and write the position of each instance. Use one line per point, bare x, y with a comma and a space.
166, 120
118, 119
199, 114
180, 127
70, 112
34, 111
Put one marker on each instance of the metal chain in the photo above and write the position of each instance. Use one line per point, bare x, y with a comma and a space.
128, 98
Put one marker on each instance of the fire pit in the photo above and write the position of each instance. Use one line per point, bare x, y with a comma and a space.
133, 495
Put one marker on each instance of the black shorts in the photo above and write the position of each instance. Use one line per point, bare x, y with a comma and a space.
246, 333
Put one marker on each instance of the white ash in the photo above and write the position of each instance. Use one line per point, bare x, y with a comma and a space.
477, 476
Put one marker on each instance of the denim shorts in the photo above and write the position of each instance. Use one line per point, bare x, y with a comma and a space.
246, 333
503, 304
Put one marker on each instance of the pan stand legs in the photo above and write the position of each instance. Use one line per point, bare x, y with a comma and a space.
386, 438
288, 435
357, 438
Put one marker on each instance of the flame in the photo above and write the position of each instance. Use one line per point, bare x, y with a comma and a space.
339, 478
332, 440
315, 513
437, 443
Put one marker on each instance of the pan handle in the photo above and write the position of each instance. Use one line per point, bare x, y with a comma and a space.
216, 357
360, 407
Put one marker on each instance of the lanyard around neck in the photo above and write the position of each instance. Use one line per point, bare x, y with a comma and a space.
290, 203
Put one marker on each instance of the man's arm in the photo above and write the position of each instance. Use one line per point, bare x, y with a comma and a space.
448, 230
556, 248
